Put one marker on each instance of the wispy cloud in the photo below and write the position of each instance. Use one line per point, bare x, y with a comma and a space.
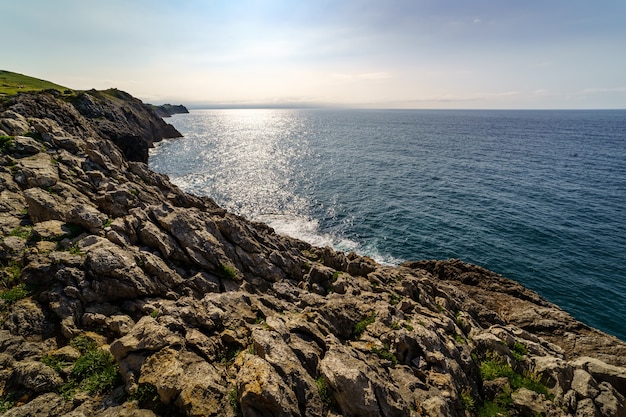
603, 90
367, 76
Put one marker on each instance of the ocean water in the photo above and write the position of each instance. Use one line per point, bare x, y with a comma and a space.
538, 196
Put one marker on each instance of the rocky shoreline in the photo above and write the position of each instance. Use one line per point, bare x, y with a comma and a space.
123, 295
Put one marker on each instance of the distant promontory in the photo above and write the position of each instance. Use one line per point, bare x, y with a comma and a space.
167, 110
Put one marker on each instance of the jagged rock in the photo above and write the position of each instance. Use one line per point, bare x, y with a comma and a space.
26, 145
43, 205
261, 391
34, 376
610, 402
203, 391
53, 230
86, 216
148, 335
11, 246
586, 408
37, 171
45, 405
603, 372
29, 319
529, 402
163, 370
584, 384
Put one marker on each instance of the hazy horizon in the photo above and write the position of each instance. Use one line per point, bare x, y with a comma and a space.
421, 54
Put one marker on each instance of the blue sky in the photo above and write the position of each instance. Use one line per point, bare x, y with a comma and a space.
356, 53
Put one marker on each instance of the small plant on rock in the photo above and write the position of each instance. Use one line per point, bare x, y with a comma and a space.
14, 294
7, 402
468, 401
360, 327
5, 143
234, 403
384, 353
226, 271
324, 392
518, 351
22, 231
95, 371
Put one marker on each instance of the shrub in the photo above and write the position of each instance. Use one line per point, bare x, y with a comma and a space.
234, 403
360, 327
22, 231
468, 401
518, 351
226, 271
5, 142
7, 402
12, 274
95, 371
324, 393
384, 353
495, 367
14, 294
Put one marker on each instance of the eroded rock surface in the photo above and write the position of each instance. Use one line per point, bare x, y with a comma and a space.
122, 295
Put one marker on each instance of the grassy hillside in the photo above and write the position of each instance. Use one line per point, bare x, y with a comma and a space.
12, 83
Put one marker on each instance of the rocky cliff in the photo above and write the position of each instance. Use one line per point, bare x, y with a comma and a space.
122, 295
168, 110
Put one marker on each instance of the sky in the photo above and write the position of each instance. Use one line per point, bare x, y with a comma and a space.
495, 54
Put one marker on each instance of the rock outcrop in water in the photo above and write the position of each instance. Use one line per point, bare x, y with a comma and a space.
123, 295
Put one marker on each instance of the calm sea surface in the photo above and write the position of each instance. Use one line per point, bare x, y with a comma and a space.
538, 196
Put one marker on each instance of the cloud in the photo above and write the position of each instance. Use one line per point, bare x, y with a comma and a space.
367, 76
603, 90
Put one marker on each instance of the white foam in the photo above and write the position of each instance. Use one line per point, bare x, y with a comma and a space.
307, 229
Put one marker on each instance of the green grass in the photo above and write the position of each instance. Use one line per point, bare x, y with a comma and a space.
384, 353
11, 275
468, 401
360, 327
5, 142
14, 294
54, 363
495, 367
492, 409
12, 83
518, 351
234, 403
226, 271
95, 371
22, 231
395, 299
324, 393
6, 403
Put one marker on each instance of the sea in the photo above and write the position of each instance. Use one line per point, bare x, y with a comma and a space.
538, 196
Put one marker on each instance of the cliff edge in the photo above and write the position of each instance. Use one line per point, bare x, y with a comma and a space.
122, 295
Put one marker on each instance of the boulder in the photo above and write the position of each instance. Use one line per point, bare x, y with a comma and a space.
37, 171
146, 335
262, 392
34, 376
45, 405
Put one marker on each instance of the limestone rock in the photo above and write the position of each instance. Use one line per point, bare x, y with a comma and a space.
35, 376
37, 171
148, 335
45, 405
262, 392
43, 205
584, 384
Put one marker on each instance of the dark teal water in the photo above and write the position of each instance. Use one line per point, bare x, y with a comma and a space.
538, 196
